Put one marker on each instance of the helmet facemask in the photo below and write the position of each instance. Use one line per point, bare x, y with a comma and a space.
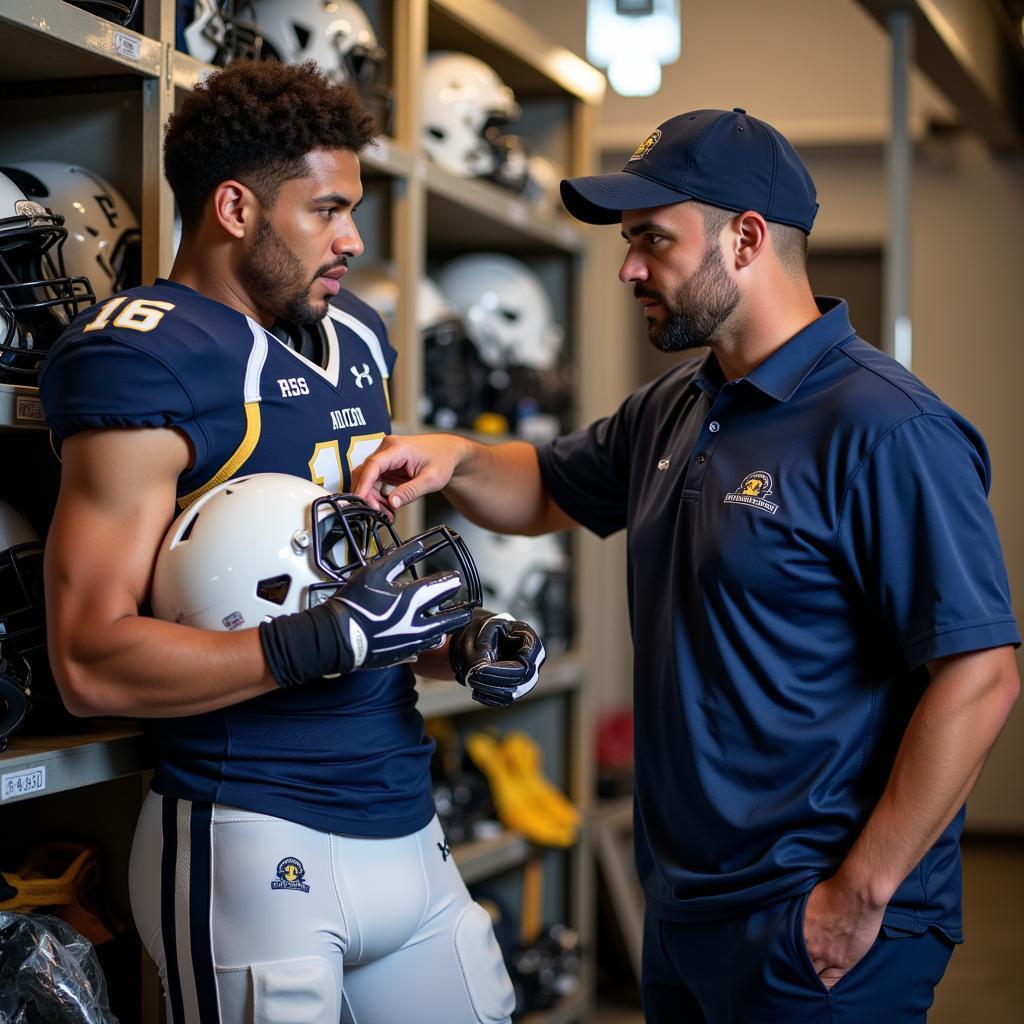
350, 534
37, 298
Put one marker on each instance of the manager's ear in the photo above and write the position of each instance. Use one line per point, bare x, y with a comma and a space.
750, 234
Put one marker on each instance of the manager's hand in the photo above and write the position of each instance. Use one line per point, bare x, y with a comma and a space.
413, 465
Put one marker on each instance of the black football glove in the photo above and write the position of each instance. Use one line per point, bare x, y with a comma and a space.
497, 657
369, 622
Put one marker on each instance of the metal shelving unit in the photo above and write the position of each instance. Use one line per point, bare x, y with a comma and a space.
50, 50
44, 38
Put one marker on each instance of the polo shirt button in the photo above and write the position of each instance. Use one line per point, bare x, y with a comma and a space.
714, 426
702, 458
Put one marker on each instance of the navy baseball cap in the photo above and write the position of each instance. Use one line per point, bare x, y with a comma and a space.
722, 157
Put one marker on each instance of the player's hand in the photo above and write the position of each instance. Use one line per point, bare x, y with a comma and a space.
415, 465
839, 930
497, 657
387, 622
371, 621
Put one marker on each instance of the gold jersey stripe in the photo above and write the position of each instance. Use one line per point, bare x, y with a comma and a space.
232, 466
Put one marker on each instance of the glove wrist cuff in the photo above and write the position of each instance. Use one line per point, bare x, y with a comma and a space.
306, 645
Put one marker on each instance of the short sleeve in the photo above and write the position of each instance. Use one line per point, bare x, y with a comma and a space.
105, 383
918, 536
587, 472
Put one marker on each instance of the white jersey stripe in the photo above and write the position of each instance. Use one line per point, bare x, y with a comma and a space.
257, 357
364, 332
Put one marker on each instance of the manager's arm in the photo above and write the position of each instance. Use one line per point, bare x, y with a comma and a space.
499, 486
942, 753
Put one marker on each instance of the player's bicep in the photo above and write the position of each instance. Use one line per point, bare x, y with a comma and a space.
116, 501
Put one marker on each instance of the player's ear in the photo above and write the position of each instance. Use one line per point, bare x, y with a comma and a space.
235, 207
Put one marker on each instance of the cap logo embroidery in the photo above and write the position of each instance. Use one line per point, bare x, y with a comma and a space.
752, 491
646, 146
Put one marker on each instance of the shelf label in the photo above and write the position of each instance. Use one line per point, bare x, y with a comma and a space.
23, 783
29, 409
127, 46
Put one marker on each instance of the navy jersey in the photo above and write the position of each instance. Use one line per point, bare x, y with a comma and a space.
345, 755
802, 541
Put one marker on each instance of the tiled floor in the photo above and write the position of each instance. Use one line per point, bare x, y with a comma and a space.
985, 980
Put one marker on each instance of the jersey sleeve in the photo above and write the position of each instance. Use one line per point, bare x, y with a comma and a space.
106, 382
918, 537
587, 472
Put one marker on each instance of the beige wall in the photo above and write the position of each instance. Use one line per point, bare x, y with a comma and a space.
818, 69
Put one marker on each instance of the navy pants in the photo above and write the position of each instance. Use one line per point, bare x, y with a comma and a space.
755, 970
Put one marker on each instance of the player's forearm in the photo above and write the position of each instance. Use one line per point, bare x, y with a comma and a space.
144, 668
939, 760
500, 487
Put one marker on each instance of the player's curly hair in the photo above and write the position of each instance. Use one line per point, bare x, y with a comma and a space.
255, 121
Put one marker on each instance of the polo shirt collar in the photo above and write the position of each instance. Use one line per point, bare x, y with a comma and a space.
785, 370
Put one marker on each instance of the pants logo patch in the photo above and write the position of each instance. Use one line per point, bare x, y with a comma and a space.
290, 875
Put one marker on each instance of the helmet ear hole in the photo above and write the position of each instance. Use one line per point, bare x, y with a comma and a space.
275, 589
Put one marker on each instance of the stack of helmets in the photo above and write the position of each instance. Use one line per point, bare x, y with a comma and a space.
508, 316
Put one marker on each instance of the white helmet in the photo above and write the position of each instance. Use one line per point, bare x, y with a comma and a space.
268, 544
505, 308
337, 35
543, 184
465, 106
104, 242
527, 576
218, 31
453, 376
37, 298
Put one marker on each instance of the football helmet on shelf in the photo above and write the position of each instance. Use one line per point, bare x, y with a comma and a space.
453, 375
336, 34
466, 107
24, 663
217, 31
104, 243
37, 297
505, 308
264, 545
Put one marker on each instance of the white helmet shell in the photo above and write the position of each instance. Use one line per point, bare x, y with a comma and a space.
103, 242
505, 308
37, 298
462, 97
240, 555
335, 33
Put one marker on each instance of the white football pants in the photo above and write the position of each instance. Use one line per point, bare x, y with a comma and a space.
255, 920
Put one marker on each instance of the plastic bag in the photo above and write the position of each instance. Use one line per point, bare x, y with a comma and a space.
49, 973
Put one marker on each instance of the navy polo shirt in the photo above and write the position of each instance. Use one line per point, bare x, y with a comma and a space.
801, 542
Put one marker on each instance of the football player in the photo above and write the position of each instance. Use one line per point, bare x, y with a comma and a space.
288, 864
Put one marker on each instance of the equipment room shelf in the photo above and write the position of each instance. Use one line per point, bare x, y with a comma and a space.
507, 221
109, 751
20, 407
40, 35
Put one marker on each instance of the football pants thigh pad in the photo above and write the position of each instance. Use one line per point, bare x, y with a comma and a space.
299, 991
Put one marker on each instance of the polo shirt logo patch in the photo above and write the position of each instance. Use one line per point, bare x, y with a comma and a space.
755, 488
